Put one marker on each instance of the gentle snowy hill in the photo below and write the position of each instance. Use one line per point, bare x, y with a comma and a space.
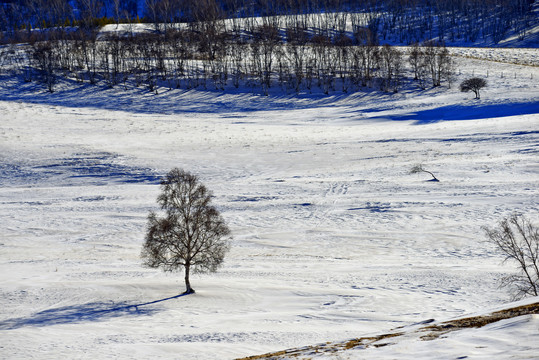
334, 239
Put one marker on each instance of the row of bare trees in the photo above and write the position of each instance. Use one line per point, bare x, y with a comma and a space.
210, 58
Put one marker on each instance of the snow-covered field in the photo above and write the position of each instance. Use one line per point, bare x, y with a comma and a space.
333, 238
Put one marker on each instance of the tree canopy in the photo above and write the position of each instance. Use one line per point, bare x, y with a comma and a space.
474, 84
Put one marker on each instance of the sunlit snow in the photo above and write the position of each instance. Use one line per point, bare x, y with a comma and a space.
333, 238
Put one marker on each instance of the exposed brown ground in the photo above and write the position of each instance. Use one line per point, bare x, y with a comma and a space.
426, 333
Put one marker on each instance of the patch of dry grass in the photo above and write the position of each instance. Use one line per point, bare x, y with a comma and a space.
477, 321
432, 332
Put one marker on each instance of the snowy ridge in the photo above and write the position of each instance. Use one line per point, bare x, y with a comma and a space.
522, 317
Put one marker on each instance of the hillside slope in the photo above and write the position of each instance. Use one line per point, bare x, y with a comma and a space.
503, 333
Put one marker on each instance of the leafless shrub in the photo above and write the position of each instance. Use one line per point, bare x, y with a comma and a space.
474, 84
419, 168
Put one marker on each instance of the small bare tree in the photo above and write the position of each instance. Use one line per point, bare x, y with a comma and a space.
473, 84
45, 54
419, 168
191, 235
518, 240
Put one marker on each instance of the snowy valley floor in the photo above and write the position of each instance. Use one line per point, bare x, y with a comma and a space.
333, 238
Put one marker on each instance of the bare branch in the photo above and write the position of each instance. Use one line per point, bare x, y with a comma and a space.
518, 240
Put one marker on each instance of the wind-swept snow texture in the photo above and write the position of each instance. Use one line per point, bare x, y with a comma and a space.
333, 238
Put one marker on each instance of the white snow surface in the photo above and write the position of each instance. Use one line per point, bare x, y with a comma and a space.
514, 338
333, 238
511, 338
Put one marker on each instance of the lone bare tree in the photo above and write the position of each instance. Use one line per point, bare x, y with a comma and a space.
192, 234
473, 84
518, 240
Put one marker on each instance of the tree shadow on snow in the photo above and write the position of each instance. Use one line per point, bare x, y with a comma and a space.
71, 94
468, 112
94, 311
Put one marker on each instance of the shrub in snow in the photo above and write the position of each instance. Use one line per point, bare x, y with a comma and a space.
419, 168
474, 84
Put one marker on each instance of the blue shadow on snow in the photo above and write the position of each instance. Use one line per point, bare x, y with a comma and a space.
468, 112
94, 311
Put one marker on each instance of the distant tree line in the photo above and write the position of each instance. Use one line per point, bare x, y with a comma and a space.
404, 21
285, 52
332, 45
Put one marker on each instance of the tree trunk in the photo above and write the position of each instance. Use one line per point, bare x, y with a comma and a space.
188, 289
433, 177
